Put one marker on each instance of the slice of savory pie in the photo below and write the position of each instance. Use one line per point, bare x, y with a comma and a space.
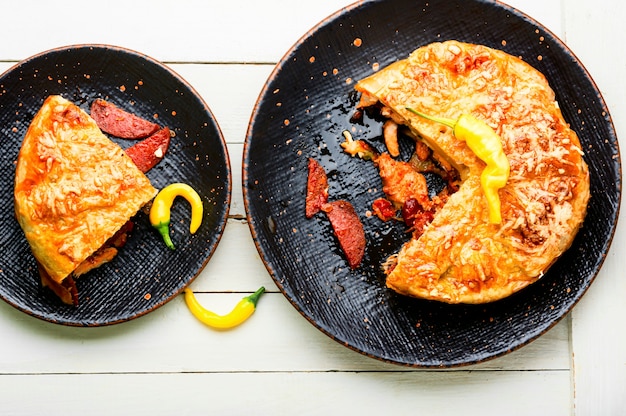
462, 257
75, 192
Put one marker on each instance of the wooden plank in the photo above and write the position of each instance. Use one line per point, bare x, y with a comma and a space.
215, 83
276, 339
547, 13
292, 393
181, 31
599, 343
598, 336
191, 31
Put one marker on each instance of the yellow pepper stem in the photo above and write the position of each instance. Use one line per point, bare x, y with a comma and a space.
487, 145
162, 204
238, 315
164, 229
445, 121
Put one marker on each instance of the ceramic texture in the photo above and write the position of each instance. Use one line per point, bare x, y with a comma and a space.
307, 103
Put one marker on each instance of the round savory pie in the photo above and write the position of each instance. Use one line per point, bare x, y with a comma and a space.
461, 256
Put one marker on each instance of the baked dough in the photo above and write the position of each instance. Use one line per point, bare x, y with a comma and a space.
74, 187
461, 257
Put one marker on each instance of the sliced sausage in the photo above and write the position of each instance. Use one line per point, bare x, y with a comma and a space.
148, 152
348, 229
316, 188
120, 123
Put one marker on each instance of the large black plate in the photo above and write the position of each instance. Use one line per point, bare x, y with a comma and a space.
146, 274
302, 111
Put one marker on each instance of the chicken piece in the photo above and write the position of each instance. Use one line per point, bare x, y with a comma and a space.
390, 134
401, 182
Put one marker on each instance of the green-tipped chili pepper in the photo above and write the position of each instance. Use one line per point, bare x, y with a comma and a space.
238, 315
487, 145
160, 210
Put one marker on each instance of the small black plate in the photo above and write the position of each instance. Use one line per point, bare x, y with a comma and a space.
307, 103
146, 274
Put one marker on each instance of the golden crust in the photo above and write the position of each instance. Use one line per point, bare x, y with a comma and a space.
74, 188
461, 257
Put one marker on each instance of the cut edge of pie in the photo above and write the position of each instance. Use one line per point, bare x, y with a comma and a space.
461, 257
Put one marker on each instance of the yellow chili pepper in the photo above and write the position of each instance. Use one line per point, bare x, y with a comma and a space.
160, 210
238, 315
487, 145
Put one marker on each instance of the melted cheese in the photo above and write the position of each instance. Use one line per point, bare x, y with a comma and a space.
460, 257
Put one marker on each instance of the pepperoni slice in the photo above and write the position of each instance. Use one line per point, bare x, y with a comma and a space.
316, 188
348, 229
148, 152
120, 123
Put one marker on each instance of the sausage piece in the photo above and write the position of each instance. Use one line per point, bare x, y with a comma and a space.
120, 123
148, 152
348, 229
316, 188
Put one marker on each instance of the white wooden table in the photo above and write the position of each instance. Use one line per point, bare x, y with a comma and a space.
167, 363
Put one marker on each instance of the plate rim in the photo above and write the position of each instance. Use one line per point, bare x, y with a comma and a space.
227, 181
256, 228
